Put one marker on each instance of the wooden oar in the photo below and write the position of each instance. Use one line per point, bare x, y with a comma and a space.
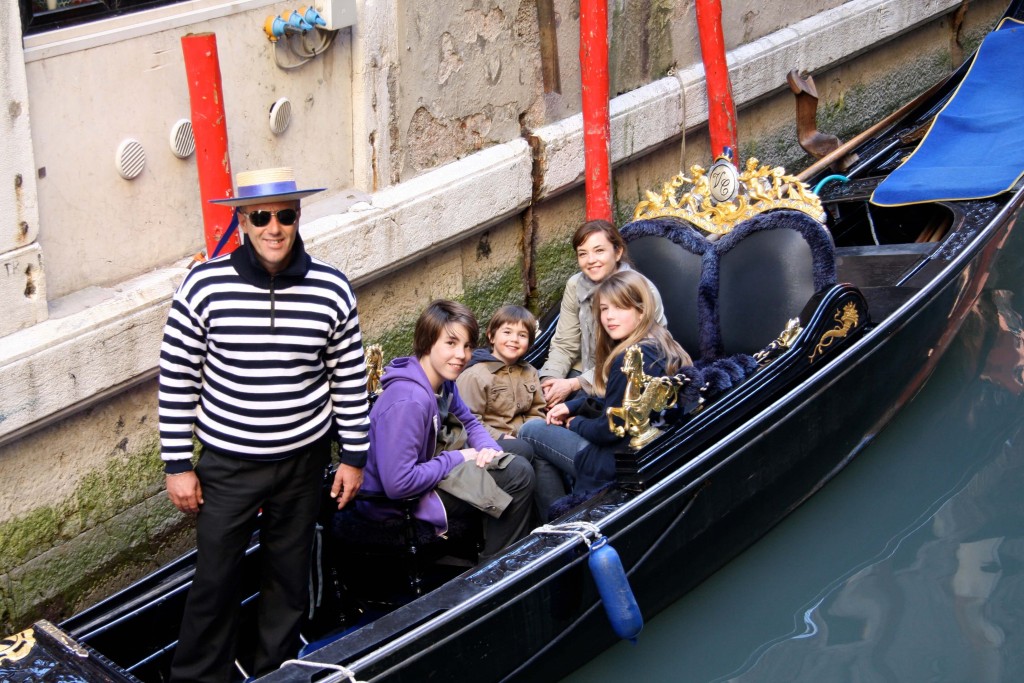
845, 148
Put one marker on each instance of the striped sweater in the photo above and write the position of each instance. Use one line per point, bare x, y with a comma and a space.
259, 367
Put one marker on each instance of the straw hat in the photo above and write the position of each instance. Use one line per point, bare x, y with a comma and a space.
266, 185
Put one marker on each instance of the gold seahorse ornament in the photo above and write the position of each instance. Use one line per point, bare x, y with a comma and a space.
846, 319
644, 395
374, 368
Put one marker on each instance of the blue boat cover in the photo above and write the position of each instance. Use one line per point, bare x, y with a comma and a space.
975, 147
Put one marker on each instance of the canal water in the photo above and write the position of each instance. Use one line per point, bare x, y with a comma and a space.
908, 566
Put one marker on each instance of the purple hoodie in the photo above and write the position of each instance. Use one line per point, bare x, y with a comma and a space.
403, 435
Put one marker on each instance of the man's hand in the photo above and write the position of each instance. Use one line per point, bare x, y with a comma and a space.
185, 491
347, 481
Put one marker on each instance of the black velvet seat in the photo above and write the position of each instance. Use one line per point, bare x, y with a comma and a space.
733, 295
768, 269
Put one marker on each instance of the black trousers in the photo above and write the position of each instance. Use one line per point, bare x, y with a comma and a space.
548, 483
234, 491
517, 481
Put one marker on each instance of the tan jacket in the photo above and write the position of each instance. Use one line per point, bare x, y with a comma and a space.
568, 350
502, 396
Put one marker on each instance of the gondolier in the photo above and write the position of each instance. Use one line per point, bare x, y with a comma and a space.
262, 362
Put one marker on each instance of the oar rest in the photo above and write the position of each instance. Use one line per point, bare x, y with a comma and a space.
735, 294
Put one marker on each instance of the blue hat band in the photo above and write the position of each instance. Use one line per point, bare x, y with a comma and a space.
266, 189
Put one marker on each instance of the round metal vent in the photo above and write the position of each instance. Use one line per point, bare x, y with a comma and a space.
280, 115
183, 143
130, 159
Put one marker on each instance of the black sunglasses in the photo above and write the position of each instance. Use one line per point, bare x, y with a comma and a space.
260, 219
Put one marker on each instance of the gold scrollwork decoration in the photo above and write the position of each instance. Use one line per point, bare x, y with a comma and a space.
780, 343
17, 647
846, 319
760, 188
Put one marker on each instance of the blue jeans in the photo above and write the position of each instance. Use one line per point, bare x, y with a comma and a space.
558, 445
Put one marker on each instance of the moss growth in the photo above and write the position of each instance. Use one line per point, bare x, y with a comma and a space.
486, 296
29, 535
554, 263
102, 493
483, 298
90, 566
125, 481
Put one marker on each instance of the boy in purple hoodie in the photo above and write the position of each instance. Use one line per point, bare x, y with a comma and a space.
406, 423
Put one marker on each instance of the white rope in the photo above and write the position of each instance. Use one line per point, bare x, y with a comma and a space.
587, 531
347, 673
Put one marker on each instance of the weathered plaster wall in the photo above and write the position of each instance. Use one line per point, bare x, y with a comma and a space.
469, 73
96, 227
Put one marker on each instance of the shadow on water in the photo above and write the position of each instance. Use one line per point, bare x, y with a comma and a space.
909, 566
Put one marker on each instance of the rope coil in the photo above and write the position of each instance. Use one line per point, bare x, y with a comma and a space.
346, 672
587, 531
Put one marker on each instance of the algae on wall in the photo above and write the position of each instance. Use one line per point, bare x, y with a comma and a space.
116, 525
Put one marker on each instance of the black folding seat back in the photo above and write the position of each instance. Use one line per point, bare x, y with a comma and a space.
669, 253
768, 269
736, 293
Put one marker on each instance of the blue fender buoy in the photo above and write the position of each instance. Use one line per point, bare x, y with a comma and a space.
616, 594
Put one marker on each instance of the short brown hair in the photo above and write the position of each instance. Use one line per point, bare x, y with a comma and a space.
438, 316
507, 315
609, 230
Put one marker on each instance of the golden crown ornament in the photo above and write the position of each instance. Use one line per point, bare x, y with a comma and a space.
717, 200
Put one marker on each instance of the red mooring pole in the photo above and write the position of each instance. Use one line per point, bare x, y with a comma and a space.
209, 127
721, 110
596, 129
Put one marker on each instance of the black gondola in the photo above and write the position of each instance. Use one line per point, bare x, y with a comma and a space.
877, 304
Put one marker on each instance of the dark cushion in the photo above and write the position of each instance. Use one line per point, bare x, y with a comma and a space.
763, 282
768, 268
668, 252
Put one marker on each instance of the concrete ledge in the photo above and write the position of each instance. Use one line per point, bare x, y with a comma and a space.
54, 365
653, 115
66, 362
822, 41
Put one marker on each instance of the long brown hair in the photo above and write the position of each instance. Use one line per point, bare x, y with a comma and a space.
629, 289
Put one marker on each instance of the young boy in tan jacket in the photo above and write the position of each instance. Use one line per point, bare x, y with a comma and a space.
503, 391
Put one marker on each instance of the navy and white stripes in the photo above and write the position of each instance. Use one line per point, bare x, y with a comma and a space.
260, 373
